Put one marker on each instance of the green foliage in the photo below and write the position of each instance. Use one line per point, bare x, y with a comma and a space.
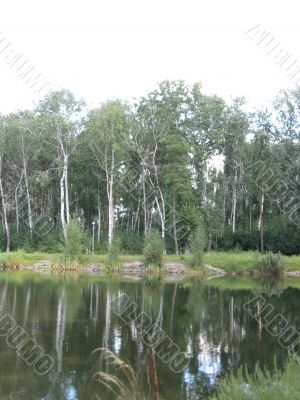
160, 149
75, 240
279, 237
198, 241
73, 247
131, 242
153, 250
28, 246
50, 243
263, 385
272, 263
113, 253
244, 239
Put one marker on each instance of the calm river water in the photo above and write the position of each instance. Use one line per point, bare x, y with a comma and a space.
70, 316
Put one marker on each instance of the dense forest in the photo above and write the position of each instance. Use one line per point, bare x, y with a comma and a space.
171, 161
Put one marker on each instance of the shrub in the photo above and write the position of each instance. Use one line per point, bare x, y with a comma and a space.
75, 240
271, 263
50, 243
198, 241
73, 247
153, 249
28, 246
131, 242
113, 253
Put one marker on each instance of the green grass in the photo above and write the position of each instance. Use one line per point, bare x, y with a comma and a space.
292, 263
102, 258
263, 385
124, 258
20, 258
244, 261
239, 262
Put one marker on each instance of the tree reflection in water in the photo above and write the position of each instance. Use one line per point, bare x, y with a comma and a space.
70, 317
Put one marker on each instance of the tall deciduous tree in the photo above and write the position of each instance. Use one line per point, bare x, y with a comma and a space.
62, 120
4, 201
107, 129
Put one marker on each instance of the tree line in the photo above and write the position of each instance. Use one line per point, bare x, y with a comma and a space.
173, 160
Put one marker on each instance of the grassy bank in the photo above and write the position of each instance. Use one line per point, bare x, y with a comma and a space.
20, 258
233, 262
239, 262
230, 262
245, 261
102, 258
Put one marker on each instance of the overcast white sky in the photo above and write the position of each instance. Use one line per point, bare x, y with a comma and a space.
122, 48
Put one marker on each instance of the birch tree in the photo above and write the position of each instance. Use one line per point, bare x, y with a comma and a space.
62, 113
22, 149
107, 133
4, 200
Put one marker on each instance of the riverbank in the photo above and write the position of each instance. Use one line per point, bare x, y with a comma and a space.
131, 265
248, 262
215, 263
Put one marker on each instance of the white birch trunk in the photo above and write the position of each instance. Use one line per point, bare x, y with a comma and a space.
261, 211
99, 220
261, 221
162, 223
17, 205
144, 202
66, 157
110, 184
161, 209
62, 205
30, 219
29, 209
4, 206
64, 189
234, 200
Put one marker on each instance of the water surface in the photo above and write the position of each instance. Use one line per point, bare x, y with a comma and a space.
70, 316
